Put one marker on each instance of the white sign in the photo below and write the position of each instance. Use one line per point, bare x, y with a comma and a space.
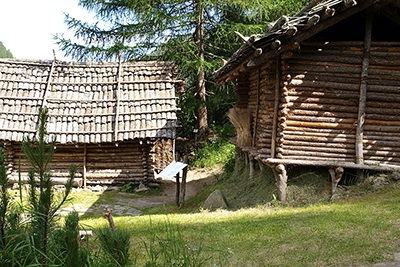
172, 169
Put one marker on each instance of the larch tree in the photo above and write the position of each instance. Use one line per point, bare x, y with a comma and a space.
196, 34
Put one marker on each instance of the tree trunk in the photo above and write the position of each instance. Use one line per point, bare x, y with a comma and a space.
201, 109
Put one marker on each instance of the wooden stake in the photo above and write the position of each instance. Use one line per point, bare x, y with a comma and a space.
110, 220
363, 91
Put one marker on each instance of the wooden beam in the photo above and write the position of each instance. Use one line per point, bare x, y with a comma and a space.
363, 91
332, 163
48, 81
117, 96
319, 27
276, 105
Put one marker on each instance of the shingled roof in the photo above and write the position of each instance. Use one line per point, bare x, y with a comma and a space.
288, 32
88, 102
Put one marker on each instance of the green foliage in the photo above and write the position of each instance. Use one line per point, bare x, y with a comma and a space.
4, 53
165, 30
42, 205
116, 246
37, 241
129, 188
68, 250
172, 249
216, 152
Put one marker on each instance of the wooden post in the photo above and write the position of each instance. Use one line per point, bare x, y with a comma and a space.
84, 165
251, 161
110, 220
178, 189
178, 185
183, 187
281, 181
276, 106
257, 107
363, 95
336, 175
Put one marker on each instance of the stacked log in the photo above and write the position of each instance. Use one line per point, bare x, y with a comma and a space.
319, 102
162, 154
261, 104
382, 121
106, 163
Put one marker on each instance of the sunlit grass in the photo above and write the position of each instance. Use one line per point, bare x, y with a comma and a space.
353, 232
216, 152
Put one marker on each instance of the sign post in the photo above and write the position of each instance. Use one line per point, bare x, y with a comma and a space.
172, 170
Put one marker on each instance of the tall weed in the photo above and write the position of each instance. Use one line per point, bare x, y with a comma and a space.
172, 249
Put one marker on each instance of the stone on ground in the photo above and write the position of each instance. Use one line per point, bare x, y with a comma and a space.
141, 188
215, 201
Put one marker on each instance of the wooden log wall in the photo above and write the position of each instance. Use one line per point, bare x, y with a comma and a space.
106, 163
162, 154
382, 120
319, 102
261, 103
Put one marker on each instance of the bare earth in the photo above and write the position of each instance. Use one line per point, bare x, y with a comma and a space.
195, 183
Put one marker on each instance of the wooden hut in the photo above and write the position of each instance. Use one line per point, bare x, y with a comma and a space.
322, 88
115, 121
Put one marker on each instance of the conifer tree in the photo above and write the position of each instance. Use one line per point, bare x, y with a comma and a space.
42, 204
196, 34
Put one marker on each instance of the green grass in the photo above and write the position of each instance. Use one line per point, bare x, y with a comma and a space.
361, 230
217, 152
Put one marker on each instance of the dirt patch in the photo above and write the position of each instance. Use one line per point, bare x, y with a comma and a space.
196, 181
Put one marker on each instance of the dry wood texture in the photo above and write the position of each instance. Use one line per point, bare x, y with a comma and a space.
112, 109
106, 163
318, 111
88, 102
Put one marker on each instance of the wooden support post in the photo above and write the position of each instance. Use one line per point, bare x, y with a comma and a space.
363, 95
178, 189
257, 107
281, 181
336, 175
178, 185
251, 161
276, 105
183, 187
84, 165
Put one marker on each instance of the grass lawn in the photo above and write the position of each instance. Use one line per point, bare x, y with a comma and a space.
359, 230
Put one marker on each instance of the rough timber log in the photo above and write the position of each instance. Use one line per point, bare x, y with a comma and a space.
281, 181
336, 175
56, 181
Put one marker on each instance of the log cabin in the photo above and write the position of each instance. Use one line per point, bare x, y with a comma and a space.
115, 121
322, 89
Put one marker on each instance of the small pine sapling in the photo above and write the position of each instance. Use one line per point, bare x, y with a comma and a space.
43, 206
